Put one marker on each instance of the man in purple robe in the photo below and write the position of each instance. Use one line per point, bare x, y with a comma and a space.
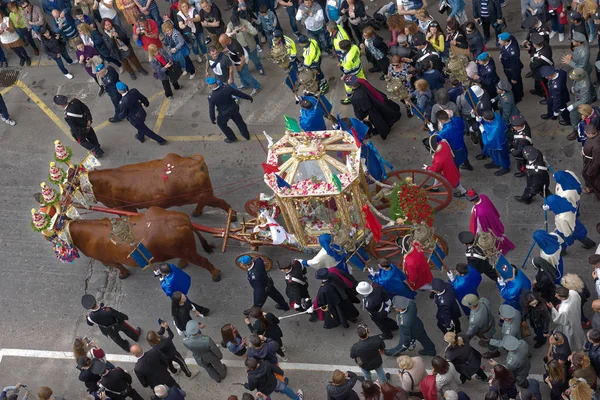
485, 218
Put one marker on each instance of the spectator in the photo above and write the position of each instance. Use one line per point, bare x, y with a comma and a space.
146, 31
556, 380
15, 392
106, 8
367, 354
33, 17
64, 8
354, 10
18, 20
411, 372
459, 46
188, 20
66, 26
10, 39
423, 97
81, 18
221, 66
592, 347
168, 393
181, 307
537, 8
130, 11
45, 393
411, 30
262, 348
503, 382
581, 368
435, 36
4, 113
371, 390
408, 8
446, 376
402, 70
55, 47
310, 14
89, 379
579, 390
398, 45
180, 52
340, 387
210, 18
442, 102
237, 54
457, 11
151, 367
376, 50
243, 31
391, 392
465, 359
424, 20
83, 347
90, 35
558, 18
261, 377
119, 47
574, 282
165, 70
486, 13
476, 43
84, 56
266, 324
233, 340
534, 310
529, 389
167, 348
291, 8
150, 9
268, 21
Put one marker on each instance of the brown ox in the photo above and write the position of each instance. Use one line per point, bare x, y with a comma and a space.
134, 186
166, 234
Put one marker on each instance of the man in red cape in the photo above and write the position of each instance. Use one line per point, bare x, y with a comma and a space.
485, 218
416, 267
443, 163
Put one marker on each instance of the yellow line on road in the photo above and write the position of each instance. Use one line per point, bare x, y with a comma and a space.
6, 90
61, 125
101, 125
154, 96
161, 115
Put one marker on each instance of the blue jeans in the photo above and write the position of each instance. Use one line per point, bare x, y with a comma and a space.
283, 388
117, 21
247, 79
155, 15
380, 374
321, 36
2, 56
59, 61
3, 109
199, 46
556, 27
591, 28
291, 12
253, 56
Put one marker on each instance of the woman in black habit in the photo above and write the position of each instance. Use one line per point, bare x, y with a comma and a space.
334, 301
372, 106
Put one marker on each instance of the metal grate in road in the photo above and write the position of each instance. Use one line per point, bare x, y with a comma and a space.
8, 77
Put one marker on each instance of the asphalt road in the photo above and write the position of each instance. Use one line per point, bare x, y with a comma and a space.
40, 297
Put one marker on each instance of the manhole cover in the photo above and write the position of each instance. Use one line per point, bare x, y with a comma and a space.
8, 77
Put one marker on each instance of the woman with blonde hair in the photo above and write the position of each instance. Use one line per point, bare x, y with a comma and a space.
574, 282
89, 35
580, 390
424, 20
466, 359
164, 69
411, 372
423, 99
581, 367
180, 52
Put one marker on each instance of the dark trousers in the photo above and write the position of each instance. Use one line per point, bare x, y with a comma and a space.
565, 114
143, 131
541, 87
444, 328
113, 60
20, 52
113, 333
189, 65
260, 297
178, 358
529, 193
167, 86
90, 142
115, 99
386, 325
60, 64
3, 109
486, 23
131, 392
233, 114
25, 34
479, 373
517, 88
537, 329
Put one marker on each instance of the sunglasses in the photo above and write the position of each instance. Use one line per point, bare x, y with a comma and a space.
395, 65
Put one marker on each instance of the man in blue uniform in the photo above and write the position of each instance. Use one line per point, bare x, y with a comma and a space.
510, 57
541, 56
411, 329
486, 73
378, 303
464, 282
558, 94
453, 131
448, 311
109, 77
132, 107
392, 279
79, 118
261, 283
221, 98
519, 137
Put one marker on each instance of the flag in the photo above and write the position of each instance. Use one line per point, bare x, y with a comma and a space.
372, 223
504, 268
418, 111
471, 98
269, 139
336, 181
437, 256
291, 124
268, 168
282, 183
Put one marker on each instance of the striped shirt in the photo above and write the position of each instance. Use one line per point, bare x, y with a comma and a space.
484, 8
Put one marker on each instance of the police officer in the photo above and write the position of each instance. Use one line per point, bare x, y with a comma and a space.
476, 257
512, 321
109, 77
517, 360
377, 302
448, 311
350, 64
519, 137
338, 34
261, 282
131, 107
79, 119
411, 329
425, 51
312, 60
486, 73
110, 321
510, 57
296, 288
221, 98
506, 101
580, 55
558, 94
115, 382
583, 93
541, 56
537, 175
481, 322
534, 26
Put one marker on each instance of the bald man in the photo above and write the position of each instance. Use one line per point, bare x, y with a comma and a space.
151, 367
596, 317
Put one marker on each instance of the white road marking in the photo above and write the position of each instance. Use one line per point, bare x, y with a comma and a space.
123, 358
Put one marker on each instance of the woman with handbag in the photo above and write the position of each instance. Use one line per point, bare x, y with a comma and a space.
119, 47
355, 11
376, 51
456, 39
188, 20
180, 52
164, 69
411, 372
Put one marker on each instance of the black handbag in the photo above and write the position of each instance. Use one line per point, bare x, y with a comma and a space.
444, 7
175, 72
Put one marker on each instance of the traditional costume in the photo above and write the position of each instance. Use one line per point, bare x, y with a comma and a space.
485, 218
511, 289
332, 297
393, 280
296, 287
568, 226
538, 179
453, 132
443, 163
550, 245
311, 118
464, 284
568, 319
330, 255
495, 144
416, 268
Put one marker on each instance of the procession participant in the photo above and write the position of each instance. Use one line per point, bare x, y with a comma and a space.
566, 223
167, 348
338, 34
476, 256
519, 137
517, 360
592, 347
511, 324
266, 324
221, 98
513, 286
132, 107
110, 321
205, 351
506, 101
550, 245
109, 78
484, 102
79, 119
425, 51
580, 54
391, 278
574, 282
173, 279
510, 57
452, 130
558, 94
481, 322
334, 301
542, 56
448, 312
568, 316
261, 282
350, 64
372, 105
591, 161
378, 303
416, 266
486, 73
442, 103
495, 144
116, 382
443, 164
411, 329
312, 60
311, 118
464, 282
535, 311
543, 284
296, 288
486, 218
376, 51
538, 178
534, 26
330, 255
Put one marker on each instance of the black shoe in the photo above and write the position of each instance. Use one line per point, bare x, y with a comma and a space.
163, 142
564, 123
374, 69
98, 153
143, 72
388, 376
588, 243
101, 91
21, 62
28, 61
543, 102
501, 172
529, 75
132, 76
230, 140
115, 119
546, 116
313, 317
491, 166
520, 174
468, 167
279, 307
142, 139
205, 311
178, 87
480, 157
382, 78
521, 200
539, 343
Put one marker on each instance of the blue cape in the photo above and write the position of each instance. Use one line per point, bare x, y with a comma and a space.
176, 281
325, 242
494, 135
312, 119
467, 284
559, 205
393, 281
375, 163
567, 181
547, 242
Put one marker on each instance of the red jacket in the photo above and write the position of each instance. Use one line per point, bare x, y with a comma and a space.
416, 268
443, 164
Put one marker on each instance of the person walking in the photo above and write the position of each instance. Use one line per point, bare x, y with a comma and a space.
116, 382
261, 377
222, 98
262, 283
448, 312
151, 367
568, 316
591, 161
131, 107
464, 282
465, 359
165, 69
495, 145
181, 307
558, 94
167, 348
311, 54
411, 329
482, 322
55, 47
266, 324
4, 113
173, 279
341, 386
378, 303
244, 32
205, 351
79, 119
168, 393
367, 354
239, 58
517, 360
109, 78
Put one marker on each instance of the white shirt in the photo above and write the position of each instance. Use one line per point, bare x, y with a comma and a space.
107, 12
8, 37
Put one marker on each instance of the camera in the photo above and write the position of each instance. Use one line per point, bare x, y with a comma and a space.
247, 313
85, 338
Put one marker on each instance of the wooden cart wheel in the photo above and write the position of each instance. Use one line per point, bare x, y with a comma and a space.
438, 200
252, 207
390, 248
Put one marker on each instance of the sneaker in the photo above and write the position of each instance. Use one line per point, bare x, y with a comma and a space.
284, 359
199, 58
132, 76
243, 87
346, 101
300, 394
283, 349
561, 37
184, 73
259, 48
143, 72
261, 72
552, 34
68, 76
73, 62
255, 92
192, 76
9, 121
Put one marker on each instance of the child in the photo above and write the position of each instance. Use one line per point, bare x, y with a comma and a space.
268, 21
80, 17
474, 39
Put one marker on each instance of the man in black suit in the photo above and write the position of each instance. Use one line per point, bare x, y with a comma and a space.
115, 382
151, 368
131, 107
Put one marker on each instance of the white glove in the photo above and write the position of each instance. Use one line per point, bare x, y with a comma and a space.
556, 114
501, 281
472, 113
545, 207
481, 128
570, 108
424, 166
493, 100
450, 276
371, 271
336, 127
430, 126
478, 118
